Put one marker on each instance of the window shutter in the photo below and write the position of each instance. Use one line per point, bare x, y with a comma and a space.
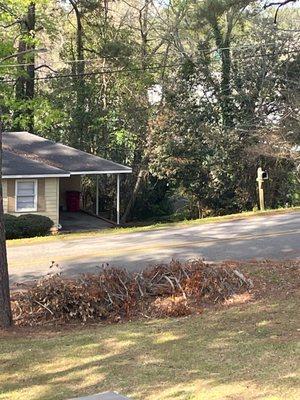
41, 201
11, 198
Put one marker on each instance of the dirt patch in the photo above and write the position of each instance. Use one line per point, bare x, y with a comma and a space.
270, 278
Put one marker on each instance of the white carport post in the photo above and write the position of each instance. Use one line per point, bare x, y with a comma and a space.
118, 199
97, 194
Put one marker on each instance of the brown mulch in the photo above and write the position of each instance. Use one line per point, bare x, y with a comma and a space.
271, 277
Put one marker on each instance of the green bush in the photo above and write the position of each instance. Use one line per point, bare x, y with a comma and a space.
27, 225
12, 228
34, 225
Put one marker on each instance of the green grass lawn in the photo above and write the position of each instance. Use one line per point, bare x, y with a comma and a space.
150, 226
245, 351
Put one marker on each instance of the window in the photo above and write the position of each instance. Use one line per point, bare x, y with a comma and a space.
26, 195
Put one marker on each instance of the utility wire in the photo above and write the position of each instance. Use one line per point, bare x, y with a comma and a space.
90, 60
58, 76
116, 71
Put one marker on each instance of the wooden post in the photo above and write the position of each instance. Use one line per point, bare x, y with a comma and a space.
261, 196
260, 182
97, 194
118, 199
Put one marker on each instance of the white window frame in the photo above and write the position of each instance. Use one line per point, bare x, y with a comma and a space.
35, 195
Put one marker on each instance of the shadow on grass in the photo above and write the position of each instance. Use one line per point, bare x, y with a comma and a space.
245, 352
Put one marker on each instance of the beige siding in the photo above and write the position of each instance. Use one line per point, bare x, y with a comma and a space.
4, 188
51, 197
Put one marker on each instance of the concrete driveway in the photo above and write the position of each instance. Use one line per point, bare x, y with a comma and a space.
81, 221
271, 237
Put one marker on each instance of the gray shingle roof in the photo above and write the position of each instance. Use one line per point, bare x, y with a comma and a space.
16, 165
48, 154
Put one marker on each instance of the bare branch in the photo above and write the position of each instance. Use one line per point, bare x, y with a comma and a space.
279, 4
42, 50
45, 66
11, 24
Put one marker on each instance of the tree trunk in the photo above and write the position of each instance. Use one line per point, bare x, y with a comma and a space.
29, 92
140, 152
133, 196
5, 308
25, 82
20, 83
79, 82
21, 79
200, 211
143, 22
226, 103
223, 42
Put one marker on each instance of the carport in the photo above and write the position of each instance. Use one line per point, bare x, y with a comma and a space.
73, 184
87, 165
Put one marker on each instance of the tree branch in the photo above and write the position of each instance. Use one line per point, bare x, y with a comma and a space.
279, 4
45, 66
11, 24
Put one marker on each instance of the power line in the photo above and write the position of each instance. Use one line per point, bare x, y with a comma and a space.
45, 78
90, 60
124, 70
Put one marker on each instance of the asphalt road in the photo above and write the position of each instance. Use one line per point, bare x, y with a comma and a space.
263, 237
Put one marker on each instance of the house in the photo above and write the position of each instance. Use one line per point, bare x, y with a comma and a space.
37, 174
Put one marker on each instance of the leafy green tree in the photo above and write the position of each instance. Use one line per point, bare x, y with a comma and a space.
223, 106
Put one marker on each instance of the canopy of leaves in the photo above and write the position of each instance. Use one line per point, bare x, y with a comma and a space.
228, 99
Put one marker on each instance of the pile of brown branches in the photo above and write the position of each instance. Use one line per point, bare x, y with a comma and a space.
114, 293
